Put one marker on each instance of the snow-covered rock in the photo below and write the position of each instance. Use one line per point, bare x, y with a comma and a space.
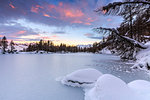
109, 87
81, 77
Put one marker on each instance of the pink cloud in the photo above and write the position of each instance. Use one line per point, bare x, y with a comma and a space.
54, 36
11, 5
36, 8
65, 12
73, 13
21, 32
46, 15
77, 21
60, 4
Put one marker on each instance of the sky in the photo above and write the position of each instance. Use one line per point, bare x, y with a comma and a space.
61, 21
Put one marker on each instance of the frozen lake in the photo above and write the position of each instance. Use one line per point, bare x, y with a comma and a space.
33, 76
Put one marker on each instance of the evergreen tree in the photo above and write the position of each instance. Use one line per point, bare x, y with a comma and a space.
4, 43
0, 43
12, 47
134, 28
41, 45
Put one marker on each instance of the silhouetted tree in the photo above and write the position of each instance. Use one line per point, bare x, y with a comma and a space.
4, 43
49, 46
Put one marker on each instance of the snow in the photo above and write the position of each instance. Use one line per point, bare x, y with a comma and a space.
81, 77
105, 51
84, 46
141, 87
19, 47
135, 42
143, 58
107, 86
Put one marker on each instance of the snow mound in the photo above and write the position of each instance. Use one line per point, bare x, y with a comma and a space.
98, 86
141, 87
109, 87
81, 77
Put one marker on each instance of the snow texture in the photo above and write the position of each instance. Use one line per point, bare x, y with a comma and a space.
107, 86
135, 42
81, 77
141, 87
143, 59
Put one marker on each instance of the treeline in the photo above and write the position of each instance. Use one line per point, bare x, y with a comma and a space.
49, 46
127, 39
45, 46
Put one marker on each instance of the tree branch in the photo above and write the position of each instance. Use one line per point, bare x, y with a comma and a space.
116, 5
127, 39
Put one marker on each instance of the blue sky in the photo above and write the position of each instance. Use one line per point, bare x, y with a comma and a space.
61, 21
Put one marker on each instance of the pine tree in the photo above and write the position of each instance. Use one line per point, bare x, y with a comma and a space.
0, 42
4, 43
41, 45
12, 48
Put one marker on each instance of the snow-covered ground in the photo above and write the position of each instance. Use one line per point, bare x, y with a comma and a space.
107, 86
18, 47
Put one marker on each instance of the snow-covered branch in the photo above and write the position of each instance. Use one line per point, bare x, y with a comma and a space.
116, 33
116, 7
